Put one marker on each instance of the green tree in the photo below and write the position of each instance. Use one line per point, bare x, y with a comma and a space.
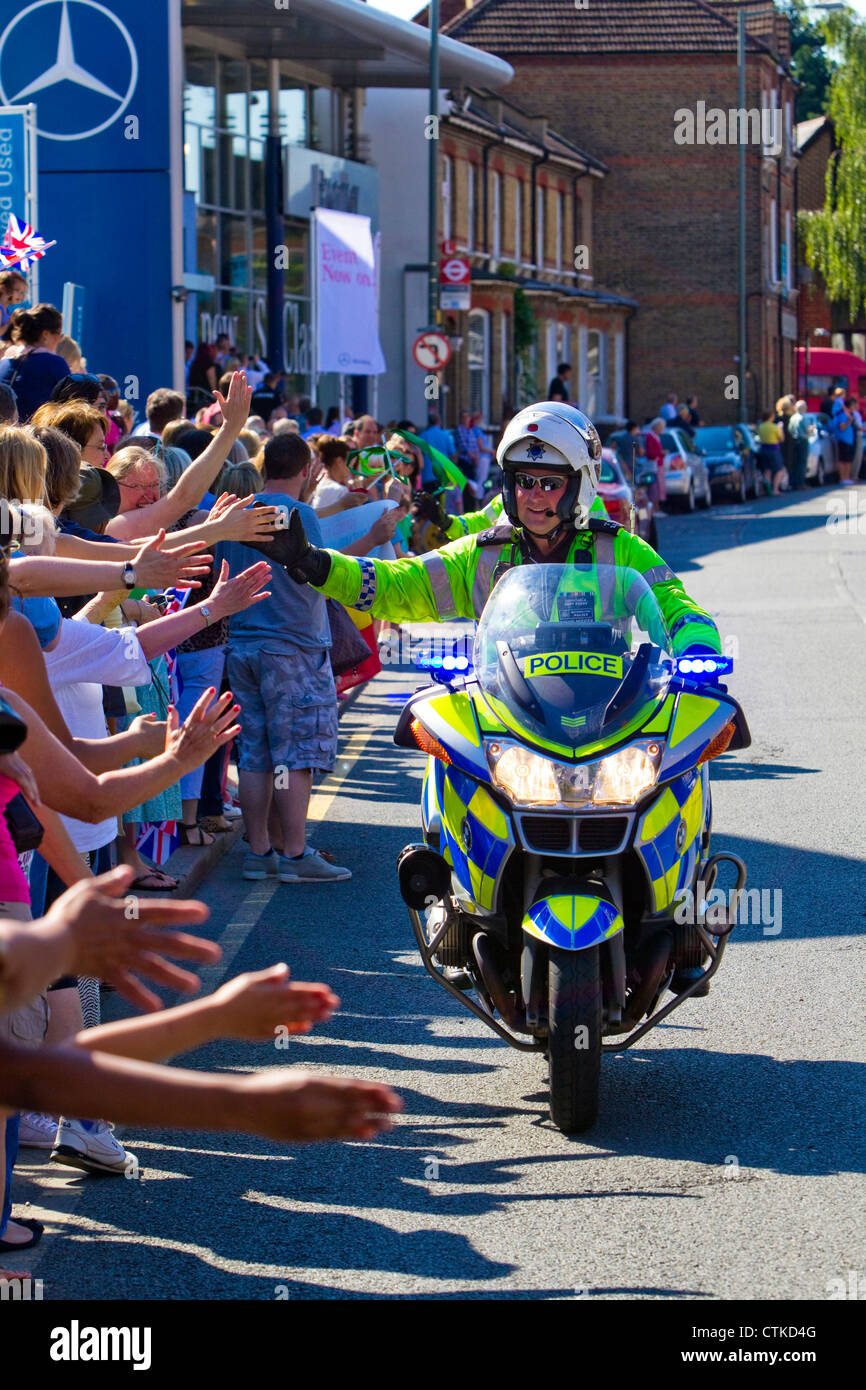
810, 64
835, 237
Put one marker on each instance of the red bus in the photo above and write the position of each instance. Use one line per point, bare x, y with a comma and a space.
829, 368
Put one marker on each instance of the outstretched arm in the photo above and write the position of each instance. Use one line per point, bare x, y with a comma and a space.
291, 1106
195, 480
432, 588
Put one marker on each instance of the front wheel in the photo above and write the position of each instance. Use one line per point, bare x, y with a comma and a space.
690, 498
574, 1023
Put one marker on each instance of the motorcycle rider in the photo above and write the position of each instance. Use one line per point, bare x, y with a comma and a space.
550, 458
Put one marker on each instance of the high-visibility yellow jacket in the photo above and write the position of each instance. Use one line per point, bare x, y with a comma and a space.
455, 582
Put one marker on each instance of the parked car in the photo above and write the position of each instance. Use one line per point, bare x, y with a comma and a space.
822, 461
687, 478
619, 497
729, 459
623, 445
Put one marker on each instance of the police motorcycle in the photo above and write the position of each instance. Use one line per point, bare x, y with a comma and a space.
566, 807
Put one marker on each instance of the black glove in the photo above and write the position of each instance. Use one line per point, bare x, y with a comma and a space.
426, 507
305, 563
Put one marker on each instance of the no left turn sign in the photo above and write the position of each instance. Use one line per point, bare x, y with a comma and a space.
432, 351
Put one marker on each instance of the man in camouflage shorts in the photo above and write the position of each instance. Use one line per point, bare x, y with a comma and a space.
279, 670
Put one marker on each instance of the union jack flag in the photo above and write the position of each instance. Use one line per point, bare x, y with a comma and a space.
158, 840
22, 245
176, 600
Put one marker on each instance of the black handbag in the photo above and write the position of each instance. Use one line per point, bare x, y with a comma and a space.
348, 648
25, 830
24, 827
13, 730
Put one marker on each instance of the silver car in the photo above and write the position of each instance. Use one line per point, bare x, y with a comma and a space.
687, 478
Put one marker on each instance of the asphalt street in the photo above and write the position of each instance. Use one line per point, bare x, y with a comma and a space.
727, 1161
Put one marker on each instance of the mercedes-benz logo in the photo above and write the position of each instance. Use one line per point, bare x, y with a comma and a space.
66, 67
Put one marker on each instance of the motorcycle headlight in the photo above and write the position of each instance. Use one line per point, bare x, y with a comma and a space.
623, 777
526, 777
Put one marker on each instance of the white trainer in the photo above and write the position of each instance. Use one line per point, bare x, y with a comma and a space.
36, 1131
311, 868
91, 1146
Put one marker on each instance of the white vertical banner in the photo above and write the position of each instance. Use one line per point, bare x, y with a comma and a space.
346, 295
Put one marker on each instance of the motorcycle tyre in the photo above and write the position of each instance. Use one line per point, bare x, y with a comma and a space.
574, 1001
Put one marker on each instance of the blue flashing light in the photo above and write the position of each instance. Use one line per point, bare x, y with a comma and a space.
704, 667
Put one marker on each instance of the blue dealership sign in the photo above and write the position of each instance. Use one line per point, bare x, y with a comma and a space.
99, 73
16, 166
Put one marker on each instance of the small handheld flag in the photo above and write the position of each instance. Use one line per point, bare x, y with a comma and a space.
22, 245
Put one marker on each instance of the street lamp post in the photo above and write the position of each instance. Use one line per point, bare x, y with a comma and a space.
741, 219
433, 173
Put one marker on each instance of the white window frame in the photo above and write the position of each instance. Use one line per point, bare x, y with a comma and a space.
789, 128
560, 221
771, 102
447, 192
596, 389
789, 240
540, 199
470, 206
496, 217
484, 372
504, 383
551, 348
518, 221
563, 344
774, 244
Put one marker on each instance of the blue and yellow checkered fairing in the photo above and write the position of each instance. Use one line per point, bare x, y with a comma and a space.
573, 922
683, 803
476, 836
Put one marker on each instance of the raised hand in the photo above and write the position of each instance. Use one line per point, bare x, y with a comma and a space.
239, 521
299, 1105
235, 406
207, 727
170, 569
254, 1006
383, 527
115, 937
233, 595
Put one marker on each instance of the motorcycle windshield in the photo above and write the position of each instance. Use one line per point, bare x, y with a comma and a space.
570, 654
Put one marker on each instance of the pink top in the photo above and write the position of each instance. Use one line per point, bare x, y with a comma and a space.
13, 884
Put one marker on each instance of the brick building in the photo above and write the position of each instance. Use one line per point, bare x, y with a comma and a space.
517, 200
625, 78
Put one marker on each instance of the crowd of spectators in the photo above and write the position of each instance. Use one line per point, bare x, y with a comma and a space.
144, 642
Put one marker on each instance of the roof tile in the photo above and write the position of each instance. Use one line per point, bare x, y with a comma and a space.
612, 26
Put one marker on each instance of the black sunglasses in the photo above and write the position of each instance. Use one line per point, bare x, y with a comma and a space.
528, 483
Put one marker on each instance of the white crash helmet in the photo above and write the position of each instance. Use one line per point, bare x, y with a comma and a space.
560, 437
